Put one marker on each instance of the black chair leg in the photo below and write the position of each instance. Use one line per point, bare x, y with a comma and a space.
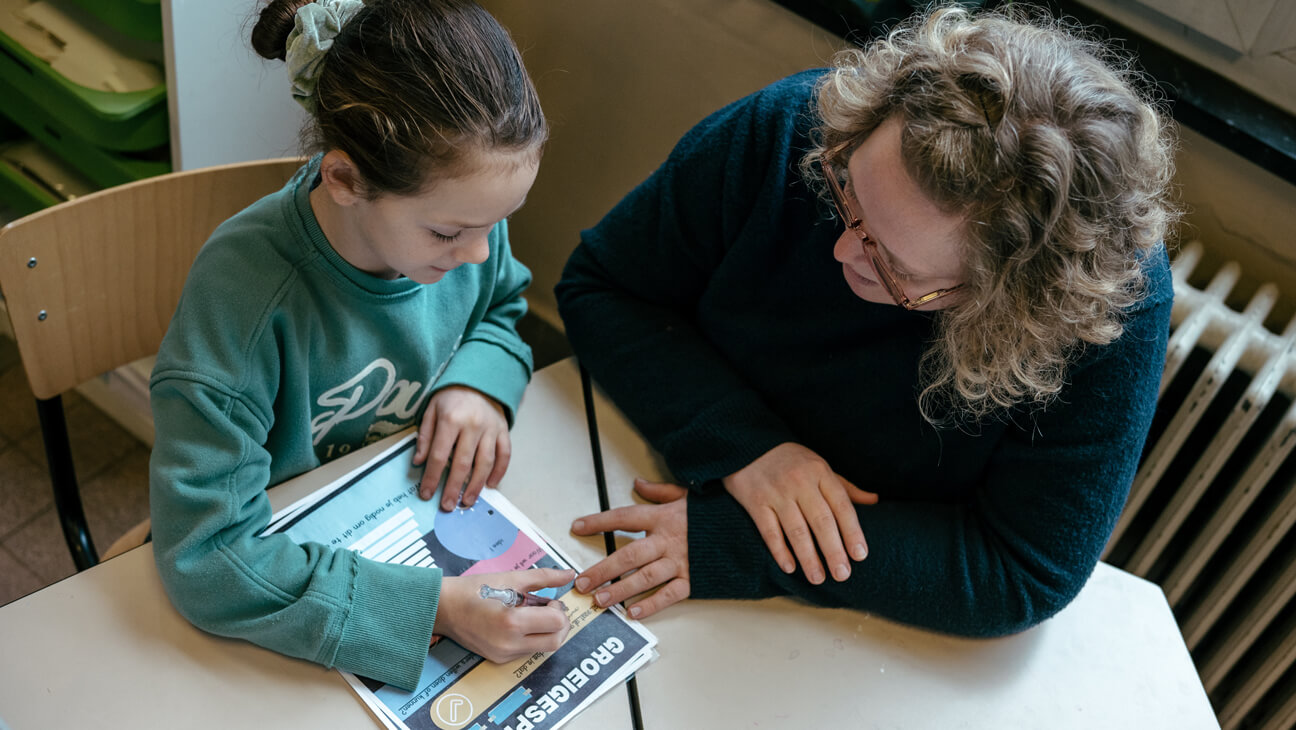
67, 496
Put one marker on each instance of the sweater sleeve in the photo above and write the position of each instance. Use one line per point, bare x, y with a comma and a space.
493, 358
1019, 549
630, 293
208, 503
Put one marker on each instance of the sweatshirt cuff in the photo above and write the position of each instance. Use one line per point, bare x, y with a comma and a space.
727, 557
492, 369
389, 629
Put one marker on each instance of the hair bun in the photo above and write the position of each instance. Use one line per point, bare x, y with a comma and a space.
270, 34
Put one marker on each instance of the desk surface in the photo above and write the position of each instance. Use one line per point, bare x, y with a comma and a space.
1112, 659
105, 649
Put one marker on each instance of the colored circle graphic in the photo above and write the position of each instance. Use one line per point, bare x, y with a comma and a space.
477, 533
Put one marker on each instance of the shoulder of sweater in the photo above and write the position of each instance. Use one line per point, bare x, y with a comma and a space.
247, 260
790, 99
237, 282
780, 104
1159, 282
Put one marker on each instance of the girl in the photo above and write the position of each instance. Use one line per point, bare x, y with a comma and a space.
377, 285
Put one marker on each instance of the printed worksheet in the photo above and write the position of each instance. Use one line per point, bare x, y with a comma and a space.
375, 510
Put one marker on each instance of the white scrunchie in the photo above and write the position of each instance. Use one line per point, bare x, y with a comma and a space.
314, 28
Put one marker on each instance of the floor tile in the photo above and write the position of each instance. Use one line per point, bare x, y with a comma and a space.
97, 441
9, 357
117, 499
25, 490
17, 404
16, 580
39, 545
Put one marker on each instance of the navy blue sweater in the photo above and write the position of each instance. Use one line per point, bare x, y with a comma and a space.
709, 307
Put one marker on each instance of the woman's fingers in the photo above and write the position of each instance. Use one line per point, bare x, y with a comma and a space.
642, 567
771, 531
629, 557
659, 492
824, 525
632, 518
843, 509
669, 594
857, 495
802, 540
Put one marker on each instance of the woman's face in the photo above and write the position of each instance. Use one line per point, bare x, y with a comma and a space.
425, 235
920, 241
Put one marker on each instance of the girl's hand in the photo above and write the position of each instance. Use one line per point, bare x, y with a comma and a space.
493, 630
657, 560
791, 491
469, 431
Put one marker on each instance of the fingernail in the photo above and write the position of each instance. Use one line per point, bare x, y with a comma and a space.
635, 611
578, 525
841, 571
582, 584
788, 567
860, 551
815, 577
601, 598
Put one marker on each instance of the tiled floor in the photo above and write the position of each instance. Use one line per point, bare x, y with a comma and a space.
112, 467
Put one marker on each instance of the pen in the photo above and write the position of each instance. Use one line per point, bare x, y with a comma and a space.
512, 598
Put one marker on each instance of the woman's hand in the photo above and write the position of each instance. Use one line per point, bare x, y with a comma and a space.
657, 560
791, 491
493, 630
469, 431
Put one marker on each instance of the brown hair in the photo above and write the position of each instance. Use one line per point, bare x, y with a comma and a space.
1041, 140
412, 90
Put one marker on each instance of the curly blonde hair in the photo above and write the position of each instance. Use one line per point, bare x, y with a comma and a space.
1040, 139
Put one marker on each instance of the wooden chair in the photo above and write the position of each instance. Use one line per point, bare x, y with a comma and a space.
91, 285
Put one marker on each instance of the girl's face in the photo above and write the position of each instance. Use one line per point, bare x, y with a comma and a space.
920, 240
425, 235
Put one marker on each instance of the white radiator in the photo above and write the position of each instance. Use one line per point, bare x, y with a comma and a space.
1210, 516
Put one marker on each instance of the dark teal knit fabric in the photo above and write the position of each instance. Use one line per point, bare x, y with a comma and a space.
710, 308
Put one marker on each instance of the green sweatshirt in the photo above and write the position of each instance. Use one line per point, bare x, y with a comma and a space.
280, 357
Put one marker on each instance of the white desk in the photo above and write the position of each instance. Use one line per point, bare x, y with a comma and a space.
1112, 659
105, 649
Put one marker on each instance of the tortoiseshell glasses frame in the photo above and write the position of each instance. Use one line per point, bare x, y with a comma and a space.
890, 280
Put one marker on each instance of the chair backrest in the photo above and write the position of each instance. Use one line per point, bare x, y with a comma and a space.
91, 284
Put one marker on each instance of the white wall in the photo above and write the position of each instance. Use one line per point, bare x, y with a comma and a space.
1239, 212
227, 104
621, 81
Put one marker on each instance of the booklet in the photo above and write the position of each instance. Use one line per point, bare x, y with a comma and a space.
375, 510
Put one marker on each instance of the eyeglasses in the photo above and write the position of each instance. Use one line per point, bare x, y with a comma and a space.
855, 224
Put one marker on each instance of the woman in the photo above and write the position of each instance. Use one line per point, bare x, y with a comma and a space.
930, 277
